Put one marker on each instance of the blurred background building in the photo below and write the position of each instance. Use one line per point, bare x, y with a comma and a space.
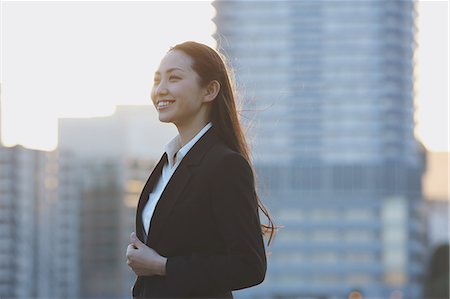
112, 158
132, 131
38, 228
436, 191
330, 85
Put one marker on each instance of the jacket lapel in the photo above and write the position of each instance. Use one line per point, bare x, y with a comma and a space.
148, 187
177, 183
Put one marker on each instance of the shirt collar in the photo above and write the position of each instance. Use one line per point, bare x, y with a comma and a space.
175, 146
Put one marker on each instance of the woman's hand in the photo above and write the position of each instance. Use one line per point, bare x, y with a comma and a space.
143, 260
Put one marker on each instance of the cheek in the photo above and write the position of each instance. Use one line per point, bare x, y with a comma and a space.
192, 95
152, 95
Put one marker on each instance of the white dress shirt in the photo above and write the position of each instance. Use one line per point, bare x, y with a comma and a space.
175, 153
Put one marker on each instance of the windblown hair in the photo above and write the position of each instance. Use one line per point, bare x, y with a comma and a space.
210, 65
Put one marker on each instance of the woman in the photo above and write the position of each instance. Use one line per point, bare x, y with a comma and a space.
198, 232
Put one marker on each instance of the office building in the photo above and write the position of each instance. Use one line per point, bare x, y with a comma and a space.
112, 158
328, 95
38, 228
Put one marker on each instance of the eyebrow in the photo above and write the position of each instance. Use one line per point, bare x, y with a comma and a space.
170, 70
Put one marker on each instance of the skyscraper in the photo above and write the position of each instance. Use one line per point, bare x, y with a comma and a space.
38, 228
328, 90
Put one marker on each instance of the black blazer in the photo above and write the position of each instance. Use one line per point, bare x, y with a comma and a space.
207, 225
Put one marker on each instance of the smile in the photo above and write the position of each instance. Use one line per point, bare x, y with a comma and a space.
164, 104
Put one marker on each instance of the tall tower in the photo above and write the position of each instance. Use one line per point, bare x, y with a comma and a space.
326, 80
38, 227
328, 87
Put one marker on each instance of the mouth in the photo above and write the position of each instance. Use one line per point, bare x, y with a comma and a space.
164, 104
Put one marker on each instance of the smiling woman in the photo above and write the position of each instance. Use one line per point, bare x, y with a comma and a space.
176, 91
198, 232
84, 69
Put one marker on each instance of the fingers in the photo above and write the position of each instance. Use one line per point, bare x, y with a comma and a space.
135, 240
130, 253
133, 237
130, 249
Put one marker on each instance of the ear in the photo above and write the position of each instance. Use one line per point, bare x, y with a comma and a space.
211, 91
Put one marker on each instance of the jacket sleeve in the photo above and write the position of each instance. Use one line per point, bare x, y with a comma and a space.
235, 210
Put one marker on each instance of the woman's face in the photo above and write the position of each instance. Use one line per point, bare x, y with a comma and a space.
176, 91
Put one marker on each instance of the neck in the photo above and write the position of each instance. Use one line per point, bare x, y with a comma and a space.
188, 132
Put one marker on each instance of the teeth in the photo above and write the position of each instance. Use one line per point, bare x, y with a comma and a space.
164, 104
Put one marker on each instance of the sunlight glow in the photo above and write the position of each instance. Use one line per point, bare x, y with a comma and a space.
53, 65
432, 66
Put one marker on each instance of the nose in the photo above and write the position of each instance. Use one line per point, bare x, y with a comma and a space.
160, 89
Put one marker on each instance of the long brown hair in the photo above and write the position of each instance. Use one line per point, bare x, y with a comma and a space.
210, 65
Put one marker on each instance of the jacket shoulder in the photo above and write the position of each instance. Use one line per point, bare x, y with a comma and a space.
221, 152
221, 158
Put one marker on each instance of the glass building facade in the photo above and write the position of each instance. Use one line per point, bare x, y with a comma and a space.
327, 90
38, 227
110, 163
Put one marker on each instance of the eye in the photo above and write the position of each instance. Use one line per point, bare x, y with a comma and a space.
174, 78
156, 80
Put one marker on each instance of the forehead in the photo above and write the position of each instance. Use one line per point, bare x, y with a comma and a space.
175, 60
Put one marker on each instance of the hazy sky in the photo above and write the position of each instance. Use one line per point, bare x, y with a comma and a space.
80, 59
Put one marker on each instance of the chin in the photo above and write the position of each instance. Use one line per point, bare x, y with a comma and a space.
164, 119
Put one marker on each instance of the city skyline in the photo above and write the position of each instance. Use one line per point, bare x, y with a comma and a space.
78, 52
